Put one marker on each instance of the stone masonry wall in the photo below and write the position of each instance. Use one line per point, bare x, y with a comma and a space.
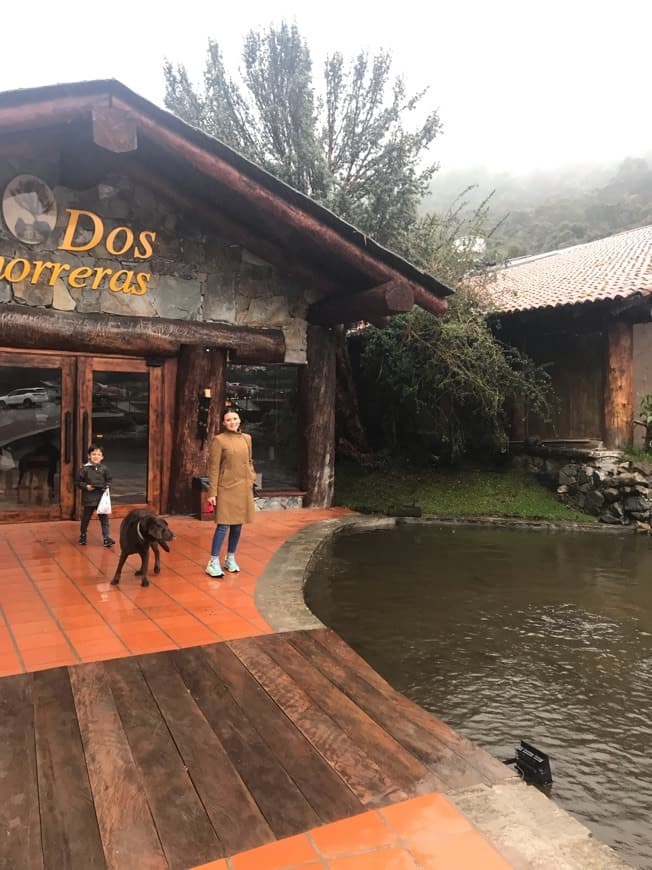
599, 482
195, 275
278, 502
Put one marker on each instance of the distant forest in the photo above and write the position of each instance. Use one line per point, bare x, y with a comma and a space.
544, 211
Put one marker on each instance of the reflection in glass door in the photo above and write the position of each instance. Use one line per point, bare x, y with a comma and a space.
52, 406
120, 426
267, 399
35, 436
120, 409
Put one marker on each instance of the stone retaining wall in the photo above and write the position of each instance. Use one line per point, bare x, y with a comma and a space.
599, 482
278, 502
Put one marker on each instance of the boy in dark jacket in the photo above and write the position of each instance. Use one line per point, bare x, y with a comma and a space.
93, 478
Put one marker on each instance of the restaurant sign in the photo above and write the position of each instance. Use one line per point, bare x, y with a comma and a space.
29, 209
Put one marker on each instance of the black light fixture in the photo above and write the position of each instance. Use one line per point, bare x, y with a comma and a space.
202, 416
532, 764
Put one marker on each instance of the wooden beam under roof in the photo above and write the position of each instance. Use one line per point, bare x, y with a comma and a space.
394, 297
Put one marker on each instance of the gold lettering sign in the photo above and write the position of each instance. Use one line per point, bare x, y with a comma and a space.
29, 210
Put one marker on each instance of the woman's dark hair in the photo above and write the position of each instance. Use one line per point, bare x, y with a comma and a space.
92, 447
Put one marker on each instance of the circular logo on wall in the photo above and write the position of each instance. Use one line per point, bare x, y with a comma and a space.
29, 209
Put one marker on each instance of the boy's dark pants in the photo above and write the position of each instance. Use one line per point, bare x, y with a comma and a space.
86, 518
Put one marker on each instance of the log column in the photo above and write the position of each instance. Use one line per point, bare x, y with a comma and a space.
619, 386
318, 418
198, 369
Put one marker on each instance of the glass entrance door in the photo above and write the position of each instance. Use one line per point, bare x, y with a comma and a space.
52, 407
36, 436
118, 411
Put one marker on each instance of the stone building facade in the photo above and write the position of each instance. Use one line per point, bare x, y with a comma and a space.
195, 274
150, 276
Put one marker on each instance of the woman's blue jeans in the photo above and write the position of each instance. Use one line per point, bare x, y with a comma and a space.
220, 535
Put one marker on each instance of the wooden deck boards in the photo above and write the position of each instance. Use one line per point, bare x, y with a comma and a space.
177, 758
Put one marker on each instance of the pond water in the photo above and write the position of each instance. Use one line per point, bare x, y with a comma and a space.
508, 634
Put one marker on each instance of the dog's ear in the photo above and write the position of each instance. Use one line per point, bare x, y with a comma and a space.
156, 528
149, 525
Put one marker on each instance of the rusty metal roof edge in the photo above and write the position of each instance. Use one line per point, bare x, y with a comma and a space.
115, 88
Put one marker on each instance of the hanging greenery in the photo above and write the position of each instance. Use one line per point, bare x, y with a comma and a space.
444, 386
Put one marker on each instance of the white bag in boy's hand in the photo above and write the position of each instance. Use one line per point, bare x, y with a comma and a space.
6, 460
104, 507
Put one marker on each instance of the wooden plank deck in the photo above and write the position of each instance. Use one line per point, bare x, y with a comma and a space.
178, 758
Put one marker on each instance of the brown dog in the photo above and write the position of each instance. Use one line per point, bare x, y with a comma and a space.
141, 530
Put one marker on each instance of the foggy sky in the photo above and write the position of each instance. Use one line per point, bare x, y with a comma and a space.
518, 85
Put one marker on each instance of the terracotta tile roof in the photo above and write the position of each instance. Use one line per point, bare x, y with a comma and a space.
613, 268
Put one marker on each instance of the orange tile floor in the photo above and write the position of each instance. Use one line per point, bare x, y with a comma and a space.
425, 832
57, 606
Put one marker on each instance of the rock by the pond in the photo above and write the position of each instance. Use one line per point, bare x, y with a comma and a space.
596, 482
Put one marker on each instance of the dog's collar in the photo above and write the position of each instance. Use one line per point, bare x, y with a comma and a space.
138, 532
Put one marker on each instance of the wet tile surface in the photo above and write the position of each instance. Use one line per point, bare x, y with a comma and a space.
57, 606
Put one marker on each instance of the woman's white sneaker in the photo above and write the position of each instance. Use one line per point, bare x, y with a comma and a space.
230, 564
213, 568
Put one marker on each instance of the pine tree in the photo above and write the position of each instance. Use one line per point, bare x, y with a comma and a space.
350, 149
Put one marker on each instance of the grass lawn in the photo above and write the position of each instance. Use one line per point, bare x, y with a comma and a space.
450, 492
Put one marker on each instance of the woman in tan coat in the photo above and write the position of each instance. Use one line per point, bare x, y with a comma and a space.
230, 490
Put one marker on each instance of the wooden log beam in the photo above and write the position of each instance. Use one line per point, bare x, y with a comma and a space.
317, 393
103, 333
279, 211
619, 386
428, 301
50, 111
394, 297
196, 371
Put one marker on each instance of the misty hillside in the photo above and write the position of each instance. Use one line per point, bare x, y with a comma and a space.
546, 210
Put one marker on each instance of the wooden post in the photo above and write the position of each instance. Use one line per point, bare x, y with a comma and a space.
318, 418
198, 369
518, 428
619, 386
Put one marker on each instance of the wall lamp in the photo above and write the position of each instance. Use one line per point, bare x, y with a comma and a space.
202, 416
